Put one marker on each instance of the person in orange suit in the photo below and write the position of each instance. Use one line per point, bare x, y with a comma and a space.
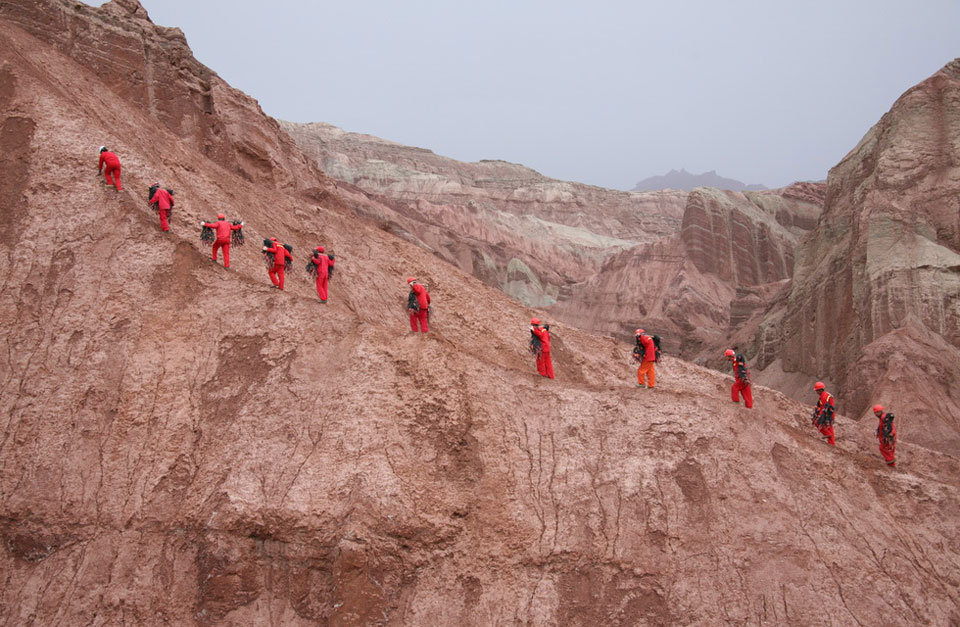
741, 385
886, 435
646, 353
323, 265
163, 199
823, 413
540, 346
280, 255
418, 306
110, 165
223, 230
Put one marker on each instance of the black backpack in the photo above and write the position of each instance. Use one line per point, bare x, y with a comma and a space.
288, 263
536, 345
268, 256
740, 364
887, 429
412, 303
236, 237
826, 415
207, 235
330, 267
656, 345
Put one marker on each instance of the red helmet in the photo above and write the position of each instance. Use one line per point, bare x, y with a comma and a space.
220, 216
728, 353
819, 385
535, 321
638, 332
273, 239
878, 409
320, 250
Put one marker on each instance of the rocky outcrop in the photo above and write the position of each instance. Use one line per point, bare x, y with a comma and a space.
696, 288
181, 444
745, 238
152, 67
506, 224
875, 297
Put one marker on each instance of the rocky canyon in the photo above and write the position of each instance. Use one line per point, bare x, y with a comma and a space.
182, 444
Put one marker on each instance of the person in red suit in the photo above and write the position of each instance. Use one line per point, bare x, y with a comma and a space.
742, 383
280, 256
418, 306
540, 346
164, 202
823, 413
109, 165
223, 230
886, 435
324, 266
647, 356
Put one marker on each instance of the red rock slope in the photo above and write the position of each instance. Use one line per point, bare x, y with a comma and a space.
875, 298
181, 444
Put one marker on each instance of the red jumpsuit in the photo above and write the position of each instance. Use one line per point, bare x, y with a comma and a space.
544, 362
423, 301
647, 366
223, 229
323, 263
164, 201
280, 256
823, 416
888, 445
742, 383
110, 164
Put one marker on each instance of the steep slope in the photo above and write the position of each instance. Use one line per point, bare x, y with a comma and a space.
508, 225
875, 299
183, 445
152, 67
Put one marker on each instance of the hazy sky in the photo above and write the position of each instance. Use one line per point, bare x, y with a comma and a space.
603, 92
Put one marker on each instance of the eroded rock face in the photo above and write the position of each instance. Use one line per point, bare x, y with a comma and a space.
875, 299
153, 67
181, 444
504, 223
698, 287
746, 238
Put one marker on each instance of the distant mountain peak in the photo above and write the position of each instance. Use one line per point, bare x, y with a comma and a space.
681, 179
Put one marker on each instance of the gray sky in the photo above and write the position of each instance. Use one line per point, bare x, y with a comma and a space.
603, 92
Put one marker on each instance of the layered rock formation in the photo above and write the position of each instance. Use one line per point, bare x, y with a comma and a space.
694, 288
181, 444
152, 67
604, 260
875, 299
506, 224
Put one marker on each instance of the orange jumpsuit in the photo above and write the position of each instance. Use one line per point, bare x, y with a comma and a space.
823, 416
648, 362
